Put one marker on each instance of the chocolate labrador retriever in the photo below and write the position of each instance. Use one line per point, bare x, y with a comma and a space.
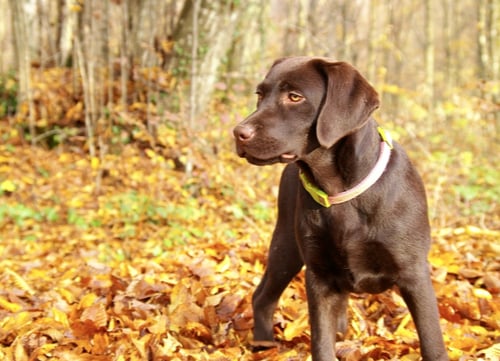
351, 206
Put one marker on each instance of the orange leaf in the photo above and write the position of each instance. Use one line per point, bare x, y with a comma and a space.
296, 328
96, 314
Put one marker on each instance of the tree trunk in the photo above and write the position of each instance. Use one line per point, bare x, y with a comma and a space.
90, 46
194, 63
487, 48
59, 21
494, 35
22, 54
429, 57
482, 44
487, 39
216, 23
292, 32
245, 56
448, 28
371, 55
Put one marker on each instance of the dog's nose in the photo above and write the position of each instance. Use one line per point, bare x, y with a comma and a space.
243, 132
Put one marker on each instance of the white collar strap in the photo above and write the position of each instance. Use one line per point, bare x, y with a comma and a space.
325, 200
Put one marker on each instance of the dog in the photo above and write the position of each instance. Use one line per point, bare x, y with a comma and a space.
351, 206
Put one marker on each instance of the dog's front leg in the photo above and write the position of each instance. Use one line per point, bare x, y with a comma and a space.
283, 263
421, 301
327, 315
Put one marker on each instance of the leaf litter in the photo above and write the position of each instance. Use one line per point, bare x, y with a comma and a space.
128, 258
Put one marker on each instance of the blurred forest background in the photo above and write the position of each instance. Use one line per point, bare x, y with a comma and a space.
119, 182
98, 74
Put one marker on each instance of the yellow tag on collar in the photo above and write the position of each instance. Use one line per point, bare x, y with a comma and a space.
386, 136
316, 193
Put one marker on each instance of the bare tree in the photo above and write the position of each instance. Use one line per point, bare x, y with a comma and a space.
92, 59
216, 22
23, 60
429, 49
194, 63
487, 39
294, 27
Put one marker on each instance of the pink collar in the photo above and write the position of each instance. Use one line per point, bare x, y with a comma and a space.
325, 200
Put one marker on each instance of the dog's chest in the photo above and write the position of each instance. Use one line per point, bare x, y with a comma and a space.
347, 253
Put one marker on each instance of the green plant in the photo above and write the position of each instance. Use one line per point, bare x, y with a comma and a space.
8, 94
23, 216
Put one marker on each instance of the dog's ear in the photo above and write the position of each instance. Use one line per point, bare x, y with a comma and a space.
349, 101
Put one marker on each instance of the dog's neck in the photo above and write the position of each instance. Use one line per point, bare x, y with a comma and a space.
344, 165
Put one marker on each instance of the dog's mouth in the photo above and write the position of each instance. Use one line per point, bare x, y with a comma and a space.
264, 154
288, 158
283, 158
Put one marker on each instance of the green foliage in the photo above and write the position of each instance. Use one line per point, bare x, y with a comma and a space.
24, 216
8, 94
479, 191
133, 207
74, 218
260, 211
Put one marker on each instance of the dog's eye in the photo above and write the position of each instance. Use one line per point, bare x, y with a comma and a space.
294, 97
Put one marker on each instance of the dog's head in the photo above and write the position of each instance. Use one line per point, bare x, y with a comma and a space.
304, 103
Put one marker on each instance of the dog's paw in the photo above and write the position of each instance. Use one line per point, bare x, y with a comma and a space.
260, 345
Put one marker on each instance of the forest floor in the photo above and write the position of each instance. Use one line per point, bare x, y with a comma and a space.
145, 255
